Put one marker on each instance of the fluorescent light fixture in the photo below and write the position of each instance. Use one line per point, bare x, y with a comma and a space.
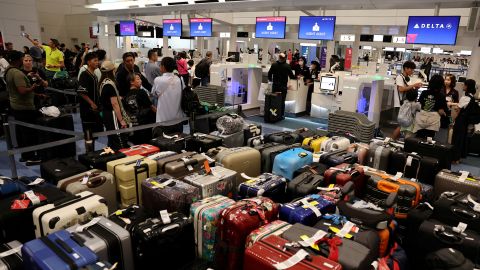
465, 52
308, 44
426, 50
378, 38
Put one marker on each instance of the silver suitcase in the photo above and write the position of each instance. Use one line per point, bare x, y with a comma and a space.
221, 181
11, 256
447, 180
231, 140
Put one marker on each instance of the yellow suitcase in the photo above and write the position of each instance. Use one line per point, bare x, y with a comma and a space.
314, 142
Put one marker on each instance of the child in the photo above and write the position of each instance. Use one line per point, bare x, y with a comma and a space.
406, 116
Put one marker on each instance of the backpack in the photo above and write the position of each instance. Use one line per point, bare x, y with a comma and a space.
473, 112
190, 102
405, 115
230, 124
202, 69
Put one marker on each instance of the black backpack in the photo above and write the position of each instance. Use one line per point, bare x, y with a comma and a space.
472, 112
202, 69
190, 102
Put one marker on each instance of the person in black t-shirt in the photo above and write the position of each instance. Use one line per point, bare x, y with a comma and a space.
432, 101
90, 98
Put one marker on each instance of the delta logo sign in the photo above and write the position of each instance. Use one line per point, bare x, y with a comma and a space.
432, 30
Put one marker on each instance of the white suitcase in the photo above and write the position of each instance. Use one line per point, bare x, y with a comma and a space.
335, 143
63, 214
220, 182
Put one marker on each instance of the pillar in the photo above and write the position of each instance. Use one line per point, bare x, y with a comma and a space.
330, 52
233, 39
474, 68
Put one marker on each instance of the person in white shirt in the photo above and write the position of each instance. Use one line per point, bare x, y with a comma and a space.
3, 65
168, 89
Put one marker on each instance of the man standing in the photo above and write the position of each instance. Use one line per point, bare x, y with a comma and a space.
128, 66
278, 75
152, 70
8, 46
202, 69
54, 57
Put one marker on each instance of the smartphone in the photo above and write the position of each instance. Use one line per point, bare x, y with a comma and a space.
24, 34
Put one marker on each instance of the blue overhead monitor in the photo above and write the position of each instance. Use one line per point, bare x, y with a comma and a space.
172, 27
201, 27
270, 27
435, 30
128, 28
317, 27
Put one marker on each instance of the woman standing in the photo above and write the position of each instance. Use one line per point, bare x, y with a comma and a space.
182, 67
452, 97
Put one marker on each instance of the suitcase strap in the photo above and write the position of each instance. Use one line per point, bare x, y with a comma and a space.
143, 168
333, 244
59, 252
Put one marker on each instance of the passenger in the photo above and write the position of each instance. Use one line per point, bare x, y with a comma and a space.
152, 70
202, 69
278, 74
36, 75
182, 68
128, 66
452, 96
54, 57
412, 106
434, 105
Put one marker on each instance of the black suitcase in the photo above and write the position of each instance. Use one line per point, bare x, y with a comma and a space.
57, 169
307, 133
315, 168
250, 131
129, 217
338, 157
99, 159
201, 143
273, 107
64, 121
304, 184
283, 137
442, 152
474, 144
172, 142
424, 169
207, 123
454, 207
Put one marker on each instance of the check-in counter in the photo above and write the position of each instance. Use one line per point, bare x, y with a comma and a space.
296, 100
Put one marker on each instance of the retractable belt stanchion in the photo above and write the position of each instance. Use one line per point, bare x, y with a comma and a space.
8, 139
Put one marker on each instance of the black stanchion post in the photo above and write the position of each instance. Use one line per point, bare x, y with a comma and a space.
8, 139
89, 142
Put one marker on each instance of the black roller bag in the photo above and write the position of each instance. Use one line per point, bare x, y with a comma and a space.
171, 142
442, 152
415, 166
273, 107
201, 143
57, 169
454, 207
99, 159
64, 121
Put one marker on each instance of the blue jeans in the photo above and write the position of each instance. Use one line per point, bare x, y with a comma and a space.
206, 81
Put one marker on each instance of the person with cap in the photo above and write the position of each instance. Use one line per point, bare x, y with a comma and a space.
21, 96
278, 74
54, 57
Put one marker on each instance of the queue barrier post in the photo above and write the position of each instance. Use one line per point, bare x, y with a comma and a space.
8, 139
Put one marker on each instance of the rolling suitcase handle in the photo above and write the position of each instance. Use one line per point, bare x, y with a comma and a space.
138, 169
96, 182
59, 252
445, 237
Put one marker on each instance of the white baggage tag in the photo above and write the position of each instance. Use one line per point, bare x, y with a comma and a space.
75, 256
375, 265
37, 182
476, 205
1, 181
216, 173
409, 161
166, 183
311, 207
85, 179
312, 240
189, 167
430, 140
10, 252
295, 259
208, 158
32, 197
387, 140
464, 176
414, 180
165, 217
87, 225
345, 229
461, 227
398, 176
429, 205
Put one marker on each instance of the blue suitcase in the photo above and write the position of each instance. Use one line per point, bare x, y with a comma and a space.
307, 210
57, 251
286, 163
9, 187
266, 185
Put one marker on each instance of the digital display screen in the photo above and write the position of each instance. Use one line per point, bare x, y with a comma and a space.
438, 30
270, 27
317, 27
328, 83
172, 27
127, 28
201, 27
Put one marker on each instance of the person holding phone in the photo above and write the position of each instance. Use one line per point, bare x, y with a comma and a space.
54, 57
37, 76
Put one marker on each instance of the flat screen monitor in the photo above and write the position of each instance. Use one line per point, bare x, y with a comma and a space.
242, 34
233, 57
366, 38
387, 38
172, 27
270, 27
146, 31
436, 30
328, 83
158, 32
127, 28
316, 27
201, 27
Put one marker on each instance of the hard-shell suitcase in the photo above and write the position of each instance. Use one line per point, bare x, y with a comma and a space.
286, 163
306, 210
236, 223
129, 173
231, 140
10, 187
220, 181
379, 156
180, 165
335, 143
276, 227
442, 152
172, 142
456, 181
201, 143
283, 137
454, 207
95, 181
307, 133
107, 239
267, 185
251, 131
206, 217
99, 159
63, 121
345, 173
255, 141
10, 256
245, 160
268, 153
414, 166
338, 157
63, 214
273, 250
129, 217
361, 149
57, 169
304, 184
166, 193
59, 251
142, 149
315, 168
314, 143
168, 240
273, 107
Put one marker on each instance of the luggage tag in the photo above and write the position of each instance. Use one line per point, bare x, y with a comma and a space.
207, 168
461, 227
409, 161
310, 241
311, 205
345, 229
25, 200
107, 151
210, 160
397, 176
476, 205
165, 217
36, 182
157, 185
295, 259
189, 167
85, 178
92, 222
464, 176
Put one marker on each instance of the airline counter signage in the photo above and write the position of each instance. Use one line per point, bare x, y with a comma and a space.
317, 27
201, 27
172, 28
440, 30
270, 27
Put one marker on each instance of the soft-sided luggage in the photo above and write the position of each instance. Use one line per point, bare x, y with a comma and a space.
335, 143
9, 187
236, 223
63, 121
167, 239
172, 142
206, 217
108, 240
456, 181
63, 214
218, 181
180, 165
414, 166
201, 143
231, 140
95, 181
129, 173
304, 184
273, 107
442, 152
338, 157
283, 137
286, 163
251, 131
245, 160
454, 207
59, 251
314, 143
345, 173
268, 153
379, 155
315, 168
57, 169
306, 210
276, 227
142, 149
166, 193
99, 159
230, 123
271, 252
10, 256
267, 185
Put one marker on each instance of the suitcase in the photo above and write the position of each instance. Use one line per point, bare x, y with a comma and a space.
166, 193
129, 217
95, 181
456, 181
64, 121
338, 157
10, 187
63, 214
236, 223
206, 216
57, 169
379, 156
268, 153
306, 210
268, 252
314, 143
442, 152
454, 207
59, 251
10, 256
207, 123
170, 243
307, 133
357, 124
143, 150
286, 163
331, 193
335, 143
220, 181
245, 160
351, 255
273, 107
99, 159
283, 137
231, 140
414, 166
129, 173
345, 173
276, 227
315, 168
255, 141
179, 165
99, 266
108, 240
201, 143
304, 184
361, 149
448, 258
175, 142
251, 131
266, 185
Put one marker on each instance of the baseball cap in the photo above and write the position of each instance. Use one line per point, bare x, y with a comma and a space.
107, 66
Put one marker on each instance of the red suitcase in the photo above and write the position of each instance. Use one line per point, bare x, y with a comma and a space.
345, 173
236, 223
266, 253
142, 149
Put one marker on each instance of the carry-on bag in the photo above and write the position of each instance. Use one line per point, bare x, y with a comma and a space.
338, 157
453, 207
172, 142
179, 165
314, 143
63, 121
55, 170
201, 142
251, 131
142, 149
273, 107
429, 148
266, 184
268, 153
286, 163
315, 168
335, 143
230, 123
379, 155
95, 181
345, 173
245, 160
99, 159
11, 256
414, 166
231, 140
283, 137
307, 133
304, 184
456, 181
276, 227
218, 181
129, 217
306, 210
